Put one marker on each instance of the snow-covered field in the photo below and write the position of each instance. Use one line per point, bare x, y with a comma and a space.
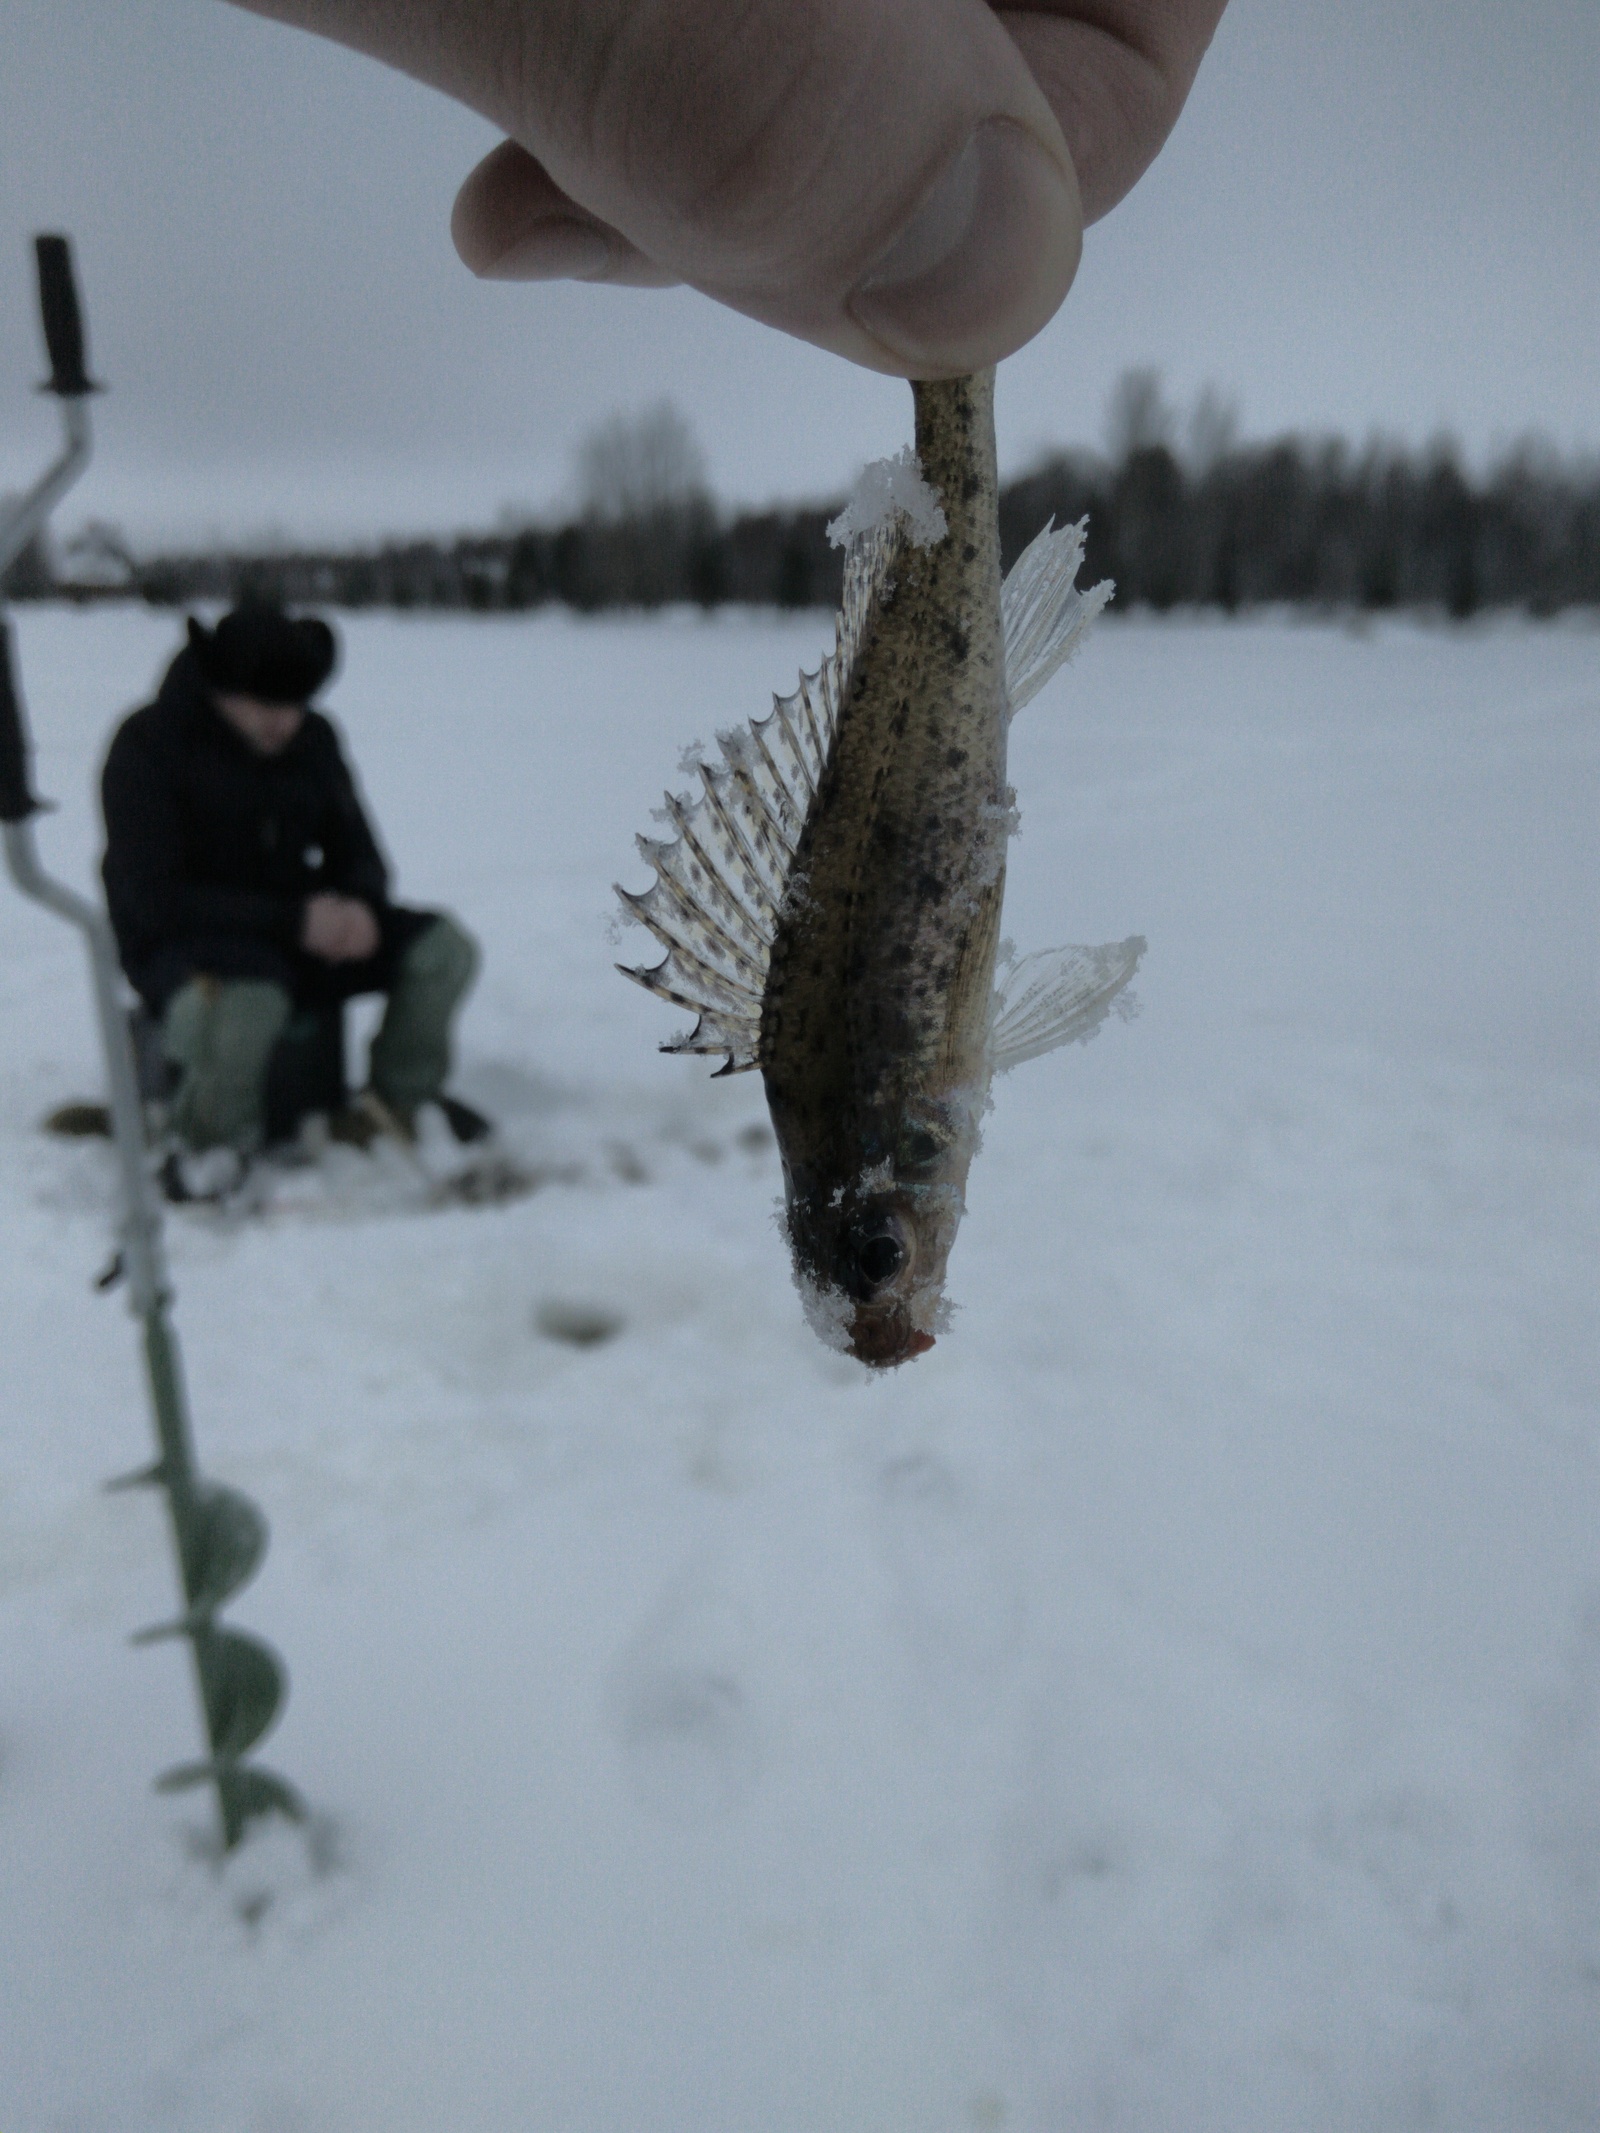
1174, 1704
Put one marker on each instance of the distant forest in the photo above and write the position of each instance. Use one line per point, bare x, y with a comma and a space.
1208, 522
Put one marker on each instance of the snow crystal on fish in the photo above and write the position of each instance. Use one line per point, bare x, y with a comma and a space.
887, 486
828, 1311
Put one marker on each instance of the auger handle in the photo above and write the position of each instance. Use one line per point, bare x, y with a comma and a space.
62, 315
22, 517
17, 802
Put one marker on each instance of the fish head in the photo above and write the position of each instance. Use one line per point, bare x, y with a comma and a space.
871, 1247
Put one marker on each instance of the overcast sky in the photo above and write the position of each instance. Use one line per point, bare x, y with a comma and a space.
1374, 214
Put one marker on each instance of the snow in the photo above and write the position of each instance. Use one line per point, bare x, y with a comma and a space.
883, 488
1173, 1703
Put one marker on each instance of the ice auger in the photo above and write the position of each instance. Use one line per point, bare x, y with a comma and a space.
219, 1535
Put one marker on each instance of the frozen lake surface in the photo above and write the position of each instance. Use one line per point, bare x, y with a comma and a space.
1173, 1704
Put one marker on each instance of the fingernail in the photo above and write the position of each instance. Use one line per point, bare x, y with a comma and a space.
983, 262
560, 248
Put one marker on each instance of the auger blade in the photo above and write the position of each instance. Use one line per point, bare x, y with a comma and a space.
224, 1541
153, 1476
183, 1777
161, 1632
244, 1684
250, 1795
244, 1796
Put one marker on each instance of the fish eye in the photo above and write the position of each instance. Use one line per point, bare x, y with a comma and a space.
881, 1258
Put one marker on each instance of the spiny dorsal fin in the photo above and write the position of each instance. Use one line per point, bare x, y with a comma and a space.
1059, 996
721, 881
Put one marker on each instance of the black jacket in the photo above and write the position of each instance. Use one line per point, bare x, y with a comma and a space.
213, 850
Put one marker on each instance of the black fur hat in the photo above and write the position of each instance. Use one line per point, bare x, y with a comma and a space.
260, 651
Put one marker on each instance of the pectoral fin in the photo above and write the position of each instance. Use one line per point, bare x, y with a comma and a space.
1042, 613
1059, 996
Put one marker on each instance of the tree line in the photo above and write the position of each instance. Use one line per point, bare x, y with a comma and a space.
1212, 524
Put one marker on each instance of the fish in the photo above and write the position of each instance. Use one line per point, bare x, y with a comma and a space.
830, 900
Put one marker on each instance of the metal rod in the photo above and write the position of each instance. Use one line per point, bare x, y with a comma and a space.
139, 1225
27, 514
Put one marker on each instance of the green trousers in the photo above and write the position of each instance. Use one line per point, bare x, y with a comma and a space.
220, 1033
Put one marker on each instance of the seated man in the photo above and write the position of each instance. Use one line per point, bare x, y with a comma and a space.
244, 883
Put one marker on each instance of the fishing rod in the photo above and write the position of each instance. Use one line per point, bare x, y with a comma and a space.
218, 1534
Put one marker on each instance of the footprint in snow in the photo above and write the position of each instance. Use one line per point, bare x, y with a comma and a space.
577, 1324
1561, 1804
959, 1592
688, 1738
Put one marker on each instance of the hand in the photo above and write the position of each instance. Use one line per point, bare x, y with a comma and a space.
338, 929
902, 181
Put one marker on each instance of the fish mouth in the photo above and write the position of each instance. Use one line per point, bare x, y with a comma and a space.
875, 1274
890, 1266
884, 1340
876, 1254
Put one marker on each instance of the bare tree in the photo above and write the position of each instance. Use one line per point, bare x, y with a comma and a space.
1138, 418
98, 558
634, 468
1212, 430
648, 524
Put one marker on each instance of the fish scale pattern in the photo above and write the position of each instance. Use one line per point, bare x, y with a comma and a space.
722, 881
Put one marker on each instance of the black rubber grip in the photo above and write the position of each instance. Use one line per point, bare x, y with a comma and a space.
16, 797
63, 320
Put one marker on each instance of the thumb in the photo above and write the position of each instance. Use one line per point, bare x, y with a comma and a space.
881, 177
